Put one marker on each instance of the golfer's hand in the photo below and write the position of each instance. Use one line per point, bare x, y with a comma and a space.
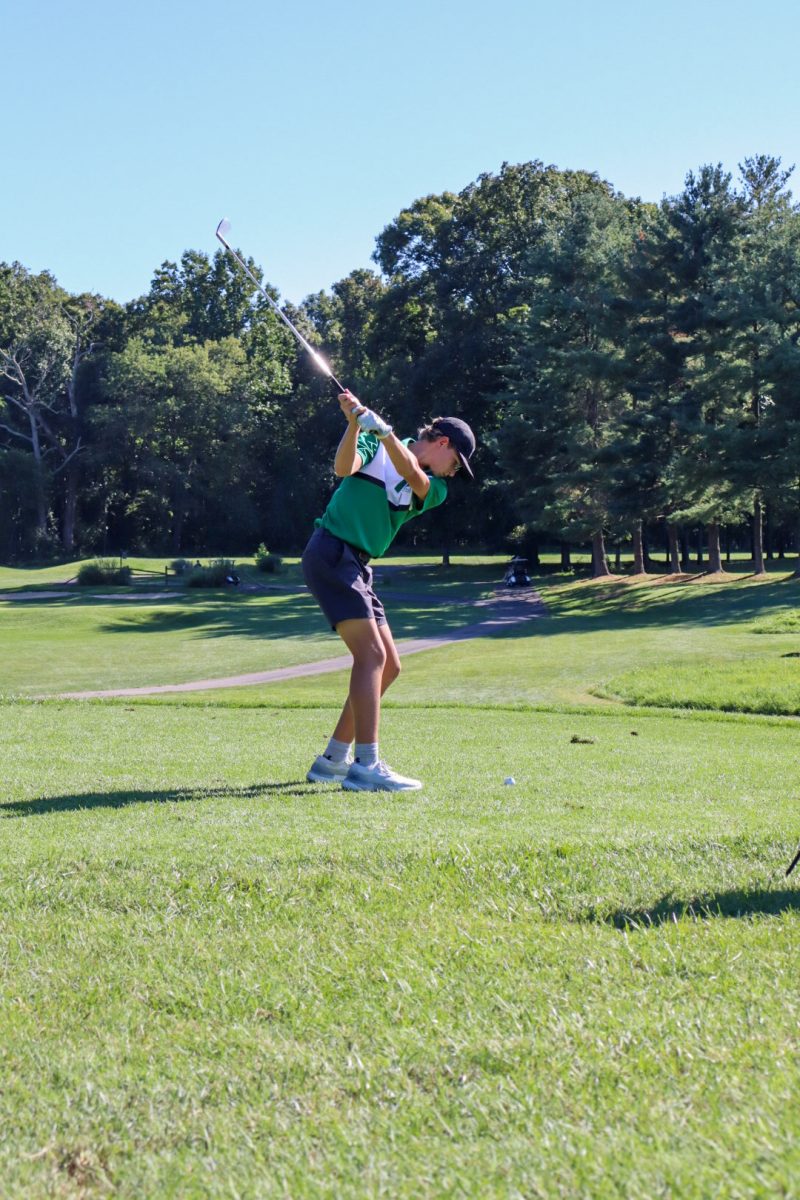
370, 422
350, 406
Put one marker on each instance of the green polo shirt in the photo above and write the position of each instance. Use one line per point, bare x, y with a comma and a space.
368, 508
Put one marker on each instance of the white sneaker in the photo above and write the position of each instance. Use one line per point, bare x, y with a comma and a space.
324, 770
380, 778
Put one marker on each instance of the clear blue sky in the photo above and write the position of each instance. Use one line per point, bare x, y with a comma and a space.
130, 130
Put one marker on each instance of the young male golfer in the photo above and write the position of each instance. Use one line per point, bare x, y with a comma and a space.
385, 482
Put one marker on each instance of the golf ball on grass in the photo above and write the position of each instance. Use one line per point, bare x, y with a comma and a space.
509, 781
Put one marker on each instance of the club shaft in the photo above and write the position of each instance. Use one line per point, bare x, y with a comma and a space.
793, 863
277, 309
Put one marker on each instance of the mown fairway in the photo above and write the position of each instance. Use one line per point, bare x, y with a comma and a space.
219, 980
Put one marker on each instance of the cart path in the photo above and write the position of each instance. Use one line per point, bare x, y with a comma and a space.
62, 595
503, 613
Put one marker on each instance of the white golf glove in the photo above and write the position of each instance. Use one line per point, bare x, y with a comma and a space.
370, 422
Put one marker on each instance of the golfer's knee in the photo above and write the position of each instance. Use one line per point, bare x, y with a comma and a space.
391, 670
372, 656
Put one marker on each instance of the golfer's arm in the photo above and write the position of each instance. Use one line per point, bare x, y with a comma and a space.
407, 465
347, 460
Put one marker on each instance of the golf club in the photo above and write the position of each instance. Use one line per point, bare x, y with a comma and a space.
223, 228
793, 863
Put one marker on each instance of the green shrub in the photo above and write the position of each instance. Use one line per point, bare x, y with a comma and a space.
270, 563
214, 575
180, 566
103, 571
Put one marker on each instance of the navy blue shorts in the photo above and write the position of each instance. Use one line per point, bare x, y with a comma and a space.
338, 577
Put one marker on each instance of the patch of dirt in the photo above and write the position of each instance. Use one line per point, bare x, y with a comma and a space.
86, 1170
677, 577
602, 580
717, 577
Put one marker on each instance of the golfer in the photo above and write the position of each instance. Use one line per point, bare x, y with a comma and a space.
385, 482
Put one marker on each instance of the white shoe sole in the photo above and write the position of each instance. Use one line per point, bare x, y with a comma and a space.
351, 786
318, 777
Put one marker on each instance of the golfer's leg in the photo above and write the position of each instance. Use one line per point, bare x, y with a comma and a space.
380, 665
392, 668
363, 640
345, 729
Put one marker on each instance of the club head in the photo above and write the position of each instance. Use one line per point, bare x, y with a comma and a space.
223, 228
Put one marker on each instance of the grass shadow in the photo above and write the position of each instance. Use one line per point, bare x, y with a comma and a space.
617, 604
296, 616
439, 604
739, 903
91, 800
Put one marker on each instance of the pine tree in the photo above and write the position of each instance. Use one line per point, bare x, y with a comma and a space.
683, 414
758, 312
565, 390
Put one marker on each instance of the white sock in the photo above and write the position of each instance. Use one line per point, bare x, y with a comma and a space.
337, 751
366, 753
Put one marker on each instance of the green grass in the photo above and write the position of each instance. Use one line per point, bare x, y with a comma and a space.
713, 660
87, 643
28, 578
25, 578
83, 643
784, 622
219, 980
62, 574
763, 685
685, 645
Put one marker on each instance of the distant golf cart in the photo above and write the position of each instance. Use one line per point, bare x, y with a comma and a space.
517, 573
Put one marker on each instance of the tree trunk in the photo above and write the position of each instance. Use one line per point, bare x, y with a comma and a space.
70, 508
686, 558
758, 536
177, 529
566, 557
618, 558
714, 554
41, 494
674, 550
768, 531
700, 547
446, 556
638, 549
599, 560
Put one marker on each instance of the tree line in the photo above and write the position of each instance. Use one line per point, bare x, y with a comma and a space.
631, 369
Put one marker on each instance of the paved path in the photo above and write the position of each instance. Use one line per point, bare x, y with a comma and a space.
504, 612
36, 595
88, 595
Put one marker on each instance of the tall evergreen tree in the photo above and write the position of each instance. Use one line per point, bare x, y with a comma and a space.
679, 356
752, 306
566, 385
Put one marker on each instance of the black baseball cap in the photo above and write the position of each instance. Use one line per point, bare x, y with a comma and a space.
462, 439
